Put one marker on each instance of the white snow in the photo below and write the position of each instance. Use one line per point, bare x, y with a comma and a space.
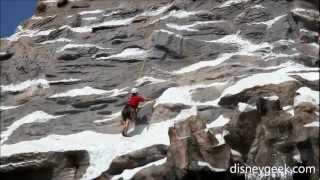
148, 80
205, 164
71, 46
310, 76
275, 77
203, 64
24, 85
245, 48
129, 173
56, 40
3, 108
29, 33
97, 11
129, 53
190, 27
79, 92
305, 94
102, 148
289, 109
232, 2
83, 29
89, 19
65, 80
236, 153
271, 98
90, 91
307, 11
158, 11
220, 138
35, 117
244, 107
183, 94
270, 22
313, 124
219, 122
297, 157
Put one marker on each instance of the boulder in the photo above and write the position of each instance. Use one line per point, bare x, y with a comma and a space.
285, 91
69, 165
164, 112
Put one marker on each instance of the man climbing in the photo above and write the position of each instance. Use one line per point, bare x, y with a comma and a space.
129, 112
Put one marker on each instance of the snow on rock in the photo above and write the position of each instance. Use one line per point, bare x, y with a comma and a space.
190, 27
203, 64
83, 29
270, 22
289, 109
205, 164
271, 98
182, 94
219, 122
129, 173
80, 92
310, 76
24, 85
101, 153
35, 117
245, 48
158, 11
71, 46
275, 77
148, 80
129, 53
232, 2
93, 12
313, 124
236, 153
244, 107
3, 108
65, 40
305, 94
64, 81
28, 33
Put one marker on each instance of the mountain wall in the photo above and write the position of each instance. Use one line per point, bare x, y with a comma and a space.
233, 82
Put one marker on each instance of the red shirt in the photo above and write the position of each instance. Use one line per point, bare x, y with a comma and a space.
135, 100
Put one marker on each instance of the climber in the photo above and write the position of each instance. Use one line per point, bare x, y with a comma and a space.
129, 112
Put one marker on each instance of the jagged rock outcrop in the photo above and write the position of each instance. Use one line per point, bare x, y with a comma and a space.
69, 165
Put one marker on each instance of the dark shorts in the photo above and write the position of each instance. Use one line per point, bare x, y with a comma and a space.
129, 113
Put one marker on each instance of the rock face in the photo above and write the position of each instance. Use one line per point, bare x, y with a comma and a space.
69, 165
231, 81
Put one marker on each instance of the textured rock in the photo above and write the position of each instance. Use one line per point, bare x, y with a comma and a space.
68, 165
238, 63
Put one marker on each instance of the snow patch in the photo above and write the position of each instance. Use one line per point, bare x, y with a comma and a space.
205, 164
219, 122
129, 173
244, 107
232, 2
305, 94
80, 92
24, 85
35, 117
313, 124
148, 80
129, 53
101, 153
271, 98
56, 40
